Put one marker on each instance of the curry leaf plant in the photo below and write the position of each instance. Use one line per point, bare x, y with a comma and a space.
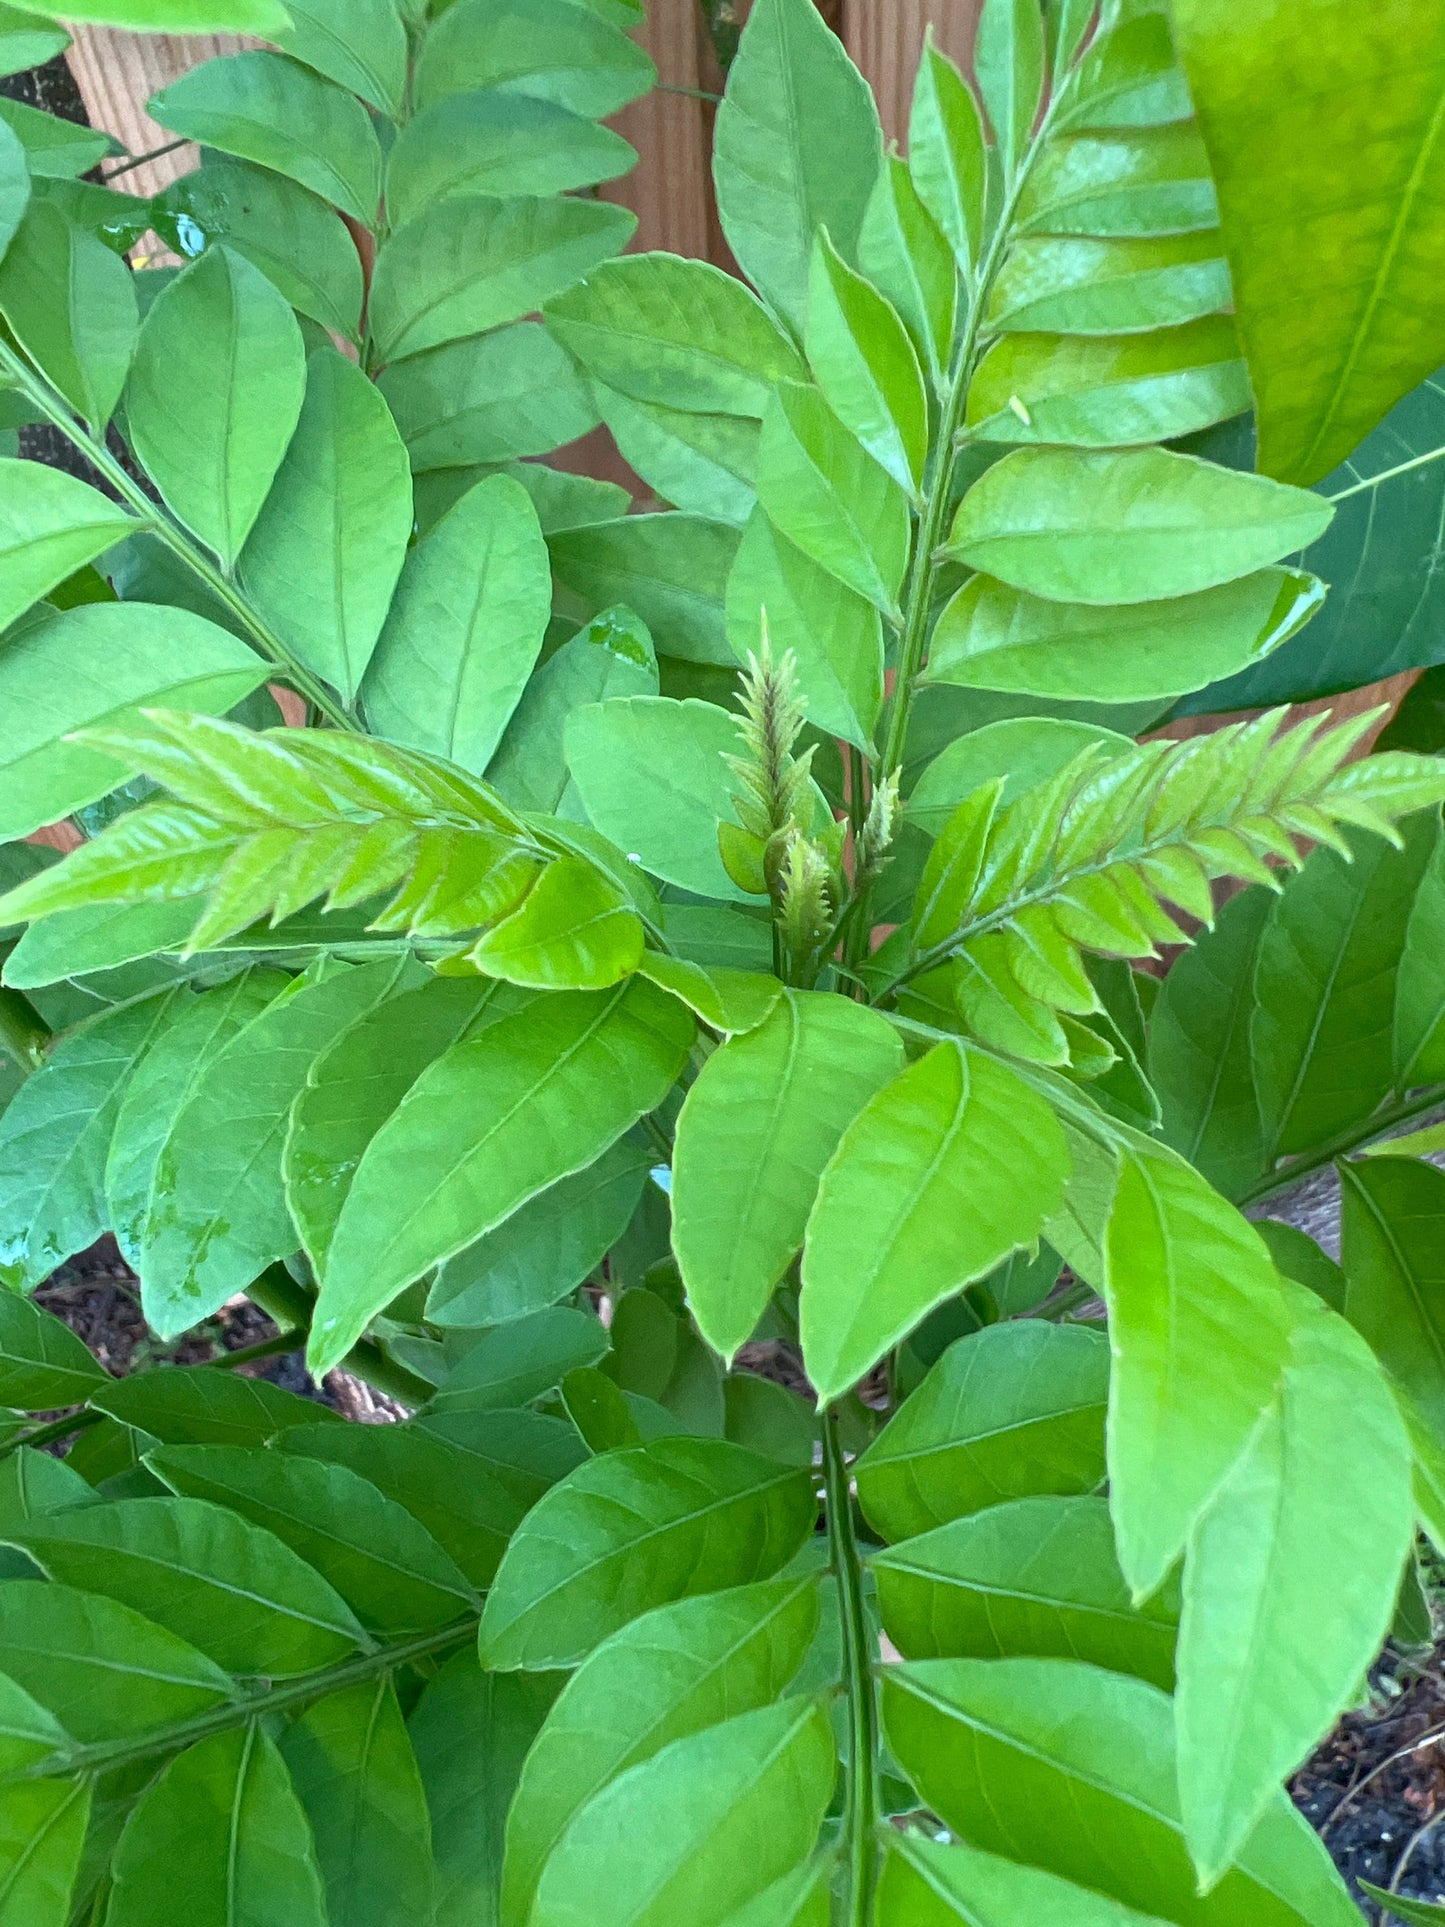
672, 989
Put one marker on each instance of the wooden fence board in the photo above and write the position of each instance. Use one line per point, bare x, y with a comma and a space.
885, 37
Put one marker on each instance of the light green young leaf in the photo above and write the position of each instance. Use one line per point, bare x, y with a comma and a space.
1393, 1210
1131, 181
928, 1885
1324, 987
1200, 1333
823, 491
179, 16
1076, 285
758, 1127
43, 1365
993, 637
280, 115
361, 45
1034, 1576
50, 526
234, 1592
498, 143
512, 1364
557, 1083
323, 558
905, 256
43, 1825
218, 1211
194, 1405
670, 570
1072, 1769
798, 148
730, 1001
946, 158
222, 1833
54, 1137
354, 1771
472, 262
1419, 1041
488, 398
1109, 391
70, 302
676, 1671
637, 1529
465, 629
949, 1168
1134, 526
215, 393
575, 930
547, 49
1327, 361
699, 1831
866, 366
382, 1561
1008, 57
1129, 75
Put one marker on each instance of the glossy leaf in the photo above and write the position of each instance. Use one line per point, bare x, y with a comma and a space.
798, 148
927, 1885
560, 1081
949, 1168
758, 1127
730, 1001
324, 555
1077, 285
575, 930
1144, 181
946, 156
50, 526
670, 570
465, 630
70, 302
499, 143
488, 398
866, 366
547, 49
1014, 1410
215, 393
43, 1365
1128, 527
637, 1529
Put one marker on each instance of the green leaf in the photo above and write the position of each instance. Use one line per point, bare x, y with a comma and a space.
637, 1529
1327, 362
218, 1212
1109, 391
547, 49
661, 1363
279, 115
1144, 181
1324, 988
50, 526
471, 1732
730, 1001
1422, 1911
354, 1771
575, 930
54, 1136
1011, 1411
545, 1249
557, 1082
102, 1670
768, 1418
223, 1835
927, 1885
949, 1168
1076, 285
1299, 1257
677, 1671
498, 143
699, 1831
361, 45
831, 499
215, 393
1290, 1583
465, 630
382, 1561
78, 942
1008, 58
70, 302
353, 1087
1200, 1335
1129, 75
1035, 1576
704, 464
234, 1592
679, 333
906, 257
652, 776
671, 570
757, 1129
1395, 1292
512, 1364
993, 637
56, 149
489, 398
1419, 1043
1135, 526
798, 148
866, 366
473, 262
200, 1406
42, 1836
946, 157
291, 235
323, 558
183, 16
1072, 1769
524, 1453
43, 1365
28, 42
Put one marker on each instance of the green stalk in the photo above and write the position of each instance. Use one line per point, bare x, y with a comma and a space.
263, 638
291, 1305
1378, 1126
861, 1809
24, 1033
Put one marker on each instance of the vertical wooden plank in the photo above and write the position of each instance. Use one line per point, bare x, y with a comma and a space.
668, 189
885, 37
118, 72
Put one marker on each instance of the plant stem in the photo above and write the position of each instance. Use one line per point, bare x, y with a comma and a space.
139, 160
1386, 475
263, 637
24, 1033
1404, 1112
291, 1305
861, 1809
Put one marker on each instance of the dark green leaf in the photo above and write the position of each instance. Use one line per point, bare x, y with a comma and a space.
488, 398
197, 1405
1419, 1051
671, 570
42, 1363
497, 142
1393, 1211
513, 1364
